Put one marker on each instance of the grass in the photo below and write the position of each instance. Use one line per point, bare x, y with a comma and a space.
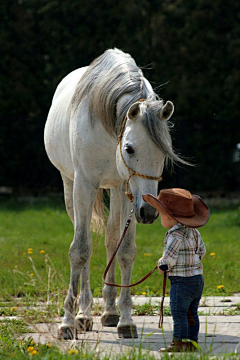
34, 273
150, 309
44, 227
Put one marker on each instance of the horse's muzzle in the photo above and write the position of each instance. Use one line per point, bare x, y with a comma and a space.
146, 214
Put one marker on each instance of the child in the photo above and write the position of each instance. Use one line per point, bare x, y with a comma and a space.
184, 248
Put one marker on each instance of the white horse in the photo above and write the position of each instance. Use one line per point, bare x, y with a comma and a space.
81, 140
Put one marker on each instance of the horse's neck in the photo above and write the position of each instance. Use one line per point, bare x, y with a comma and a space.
69, 83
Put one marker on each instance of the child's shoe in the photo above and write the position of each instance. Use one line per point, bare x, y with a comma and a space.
179, 346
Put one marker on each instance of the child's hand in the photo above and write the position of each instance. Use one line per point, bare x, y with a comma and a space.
161, 271
162, 268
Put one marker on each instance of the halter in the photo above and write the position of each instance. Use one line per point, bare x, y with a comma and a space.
131, 171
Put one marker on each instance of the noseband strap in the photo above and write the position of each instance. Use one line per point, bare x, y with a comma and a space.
131, 171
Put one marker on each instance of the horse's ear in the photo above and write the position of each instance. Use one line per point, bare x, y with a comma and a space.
166, 111
134, 111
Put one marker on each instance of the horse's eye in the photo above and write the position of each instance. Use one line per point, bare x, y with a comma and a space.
129, 149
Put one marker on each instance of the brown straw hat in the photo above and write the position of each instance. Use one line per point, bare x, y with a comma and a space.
181, 205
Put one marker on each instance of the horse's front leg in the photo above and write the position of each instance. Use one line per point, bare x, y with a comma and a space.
79, 255
110, 316
126, 256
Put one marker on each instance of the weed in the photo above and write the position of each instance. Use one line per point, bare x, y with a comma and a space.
149, 309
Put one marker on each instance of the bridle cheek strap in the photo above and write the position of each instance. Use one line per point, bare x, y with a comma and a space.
131, 171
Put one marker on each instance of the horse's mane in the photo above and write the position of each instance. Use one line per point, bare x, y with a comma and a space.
107, 78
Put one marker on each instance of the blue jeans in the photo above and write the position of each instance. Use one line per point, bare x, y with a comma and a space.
185, 295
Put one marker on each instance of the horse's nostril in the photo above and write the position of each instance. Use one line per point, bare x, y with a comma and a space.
142, 213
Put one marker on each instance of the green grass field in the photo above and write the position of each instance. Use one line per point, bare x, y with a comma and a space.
35, 238
34, 242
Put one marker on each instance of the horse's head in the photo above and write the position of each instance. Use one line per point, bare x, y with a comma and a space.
144, 145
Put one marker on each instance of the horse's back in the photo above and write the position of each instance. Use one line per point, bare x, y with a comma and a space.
69, 83
56, 134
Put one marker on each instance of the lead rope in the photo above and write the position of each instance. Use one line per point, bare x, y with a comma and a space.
113, 256
141, 280
160, 323
130, 196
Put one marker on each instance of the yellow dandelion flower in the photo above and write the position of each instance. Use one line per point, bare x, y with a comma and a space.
220, 287
48, 345
34, 352
30, 348
147, 254
73, 351
30, 251
42, 252
32, 274
144, 293
212, 254
32, 342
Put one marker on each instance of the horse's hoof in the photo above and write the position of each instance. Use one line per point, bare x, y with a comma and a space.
65, 332
127, 331
83, 324
110, 320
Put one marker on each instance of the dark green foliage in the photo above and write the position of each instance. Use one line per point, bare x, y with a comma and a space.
193, 47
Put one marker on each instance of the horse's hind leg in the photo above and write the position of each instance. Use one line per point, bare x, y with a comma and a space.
79, 254
68, 196
126, 256
110, 316
66, 329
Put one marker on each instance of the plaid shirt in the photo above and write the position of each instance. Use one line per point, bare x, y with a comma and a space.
183, 251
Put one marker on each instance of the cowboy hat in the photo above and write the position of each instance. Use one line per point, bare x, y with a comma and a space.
181, 205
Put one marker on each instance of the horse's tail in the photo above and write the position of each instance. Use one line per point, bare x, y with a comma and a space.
99, 213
